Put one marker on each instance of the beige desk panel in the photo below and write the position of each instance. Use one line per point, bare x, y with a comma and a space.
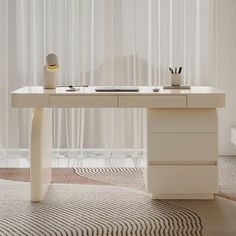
83, 101
164, 101
191, 147
182, 179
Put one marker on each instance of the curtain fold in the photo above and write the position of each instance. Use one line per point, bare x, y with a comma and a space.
102, 42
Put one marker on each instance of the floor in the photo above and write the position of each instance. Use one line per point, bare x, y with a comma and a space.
218, 215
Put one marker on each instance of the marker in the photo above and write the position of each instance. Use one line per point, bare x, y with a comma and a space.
180, 69
171, 70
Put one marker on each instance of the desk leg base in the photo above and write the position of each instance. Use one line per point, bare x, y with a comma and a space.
41, 150
199, 196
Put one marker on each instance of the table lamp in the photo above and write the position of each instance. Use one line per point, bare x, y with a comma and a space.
51, 71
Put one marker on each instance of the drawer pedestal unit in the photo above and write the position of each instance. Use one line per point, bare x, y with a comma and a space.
182, 152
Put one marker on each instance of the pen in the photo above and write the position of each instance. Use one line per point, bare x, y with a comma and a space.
176, 70
180, 69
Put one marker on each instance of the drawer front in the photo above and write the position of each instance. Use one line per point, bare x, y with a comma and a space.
83, 101
206, 100
182, 120
182, 147
153, 101
30, 100
182, 179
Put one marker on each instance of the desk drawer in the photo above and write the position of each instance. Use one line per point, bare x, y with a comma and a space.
30, 100
163, 101
206, 100
182, 120
182, 148
182, 179
83, 101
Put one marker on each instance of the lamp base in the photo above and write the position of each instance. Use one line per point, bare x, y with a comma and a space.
50, 78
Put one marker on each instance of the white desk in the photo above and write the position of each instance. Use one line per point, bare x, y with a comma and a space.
182, 135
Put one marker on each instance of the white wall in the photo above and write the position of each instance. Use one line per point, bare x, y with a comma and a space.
227, 72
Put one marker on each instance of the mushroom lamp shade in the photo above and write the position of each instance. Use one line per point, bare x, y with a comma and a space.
51, 71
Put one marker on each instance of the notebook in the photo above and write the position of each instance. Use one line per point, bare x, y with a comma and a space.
176, 87
116, 89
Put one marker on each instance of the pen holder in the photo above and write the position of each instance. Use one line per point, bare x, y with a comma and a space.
175, 79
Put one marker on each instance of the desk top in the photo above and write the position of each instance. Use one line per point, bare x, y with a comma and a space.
196, 97
143, 90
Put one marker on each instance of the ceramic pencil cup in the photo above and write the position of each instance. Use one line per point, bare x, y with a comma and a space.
175, 79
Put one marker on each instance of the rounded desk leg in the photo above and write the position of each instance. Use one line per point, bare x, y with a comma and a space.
41, 154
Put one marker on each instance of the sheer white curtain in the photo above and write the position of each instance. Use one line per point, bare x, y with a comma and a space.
101, 42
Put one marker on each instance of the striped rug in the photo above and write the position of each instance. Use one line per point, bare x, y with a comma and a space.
93, 209
59, 175
103, 211
117, 176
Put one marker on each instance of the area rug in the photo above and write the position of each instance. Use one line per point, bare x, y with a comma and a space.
59, 175
227, 182
116, 176
90, 210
